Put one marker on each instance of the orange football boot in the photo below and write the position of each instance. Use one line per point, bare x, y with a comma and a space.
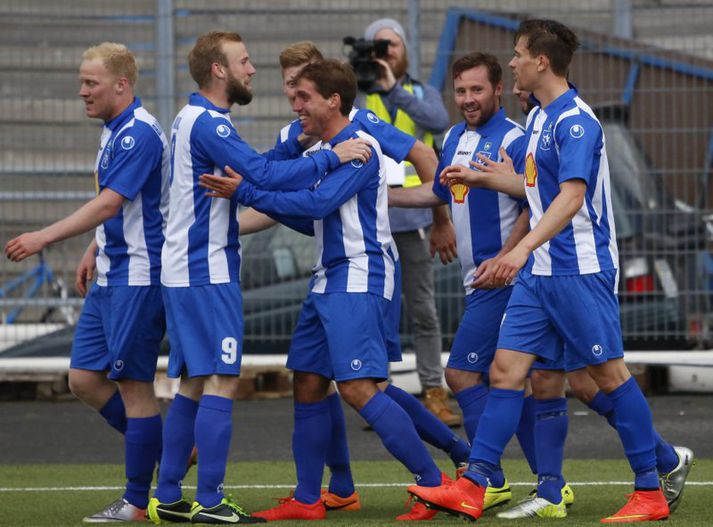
291, 509
333, 502
643, 506
462, 498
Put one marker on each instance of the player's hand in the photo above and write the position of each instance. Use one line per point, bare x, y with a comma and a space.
307, 141
453, 174
443, 241
484, 274
221, 186
85, 271
25, 245
490, 166
351, 149
508, 265
387, 80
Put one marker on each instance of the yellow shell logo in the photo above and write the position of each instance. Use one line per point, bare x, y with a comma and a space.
530, 170
459, 192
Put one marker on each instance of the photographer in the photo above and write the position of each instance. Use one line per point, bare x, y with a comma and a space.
418, 110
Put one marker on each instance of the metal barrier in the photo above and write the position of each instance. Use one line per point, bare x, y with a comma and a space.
47, 146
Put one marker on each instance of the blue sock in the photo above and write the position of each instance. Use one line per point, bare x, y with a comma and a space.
472, 402
142, 442
666, 458
429, 428
115, 413
497, 425
341, 482
399, 436
178, 441
635, 428
214, 425
526, 432
550, 436
310, 440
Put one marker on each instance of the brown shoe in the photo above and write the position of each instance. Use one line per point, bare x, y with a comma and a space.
436, 400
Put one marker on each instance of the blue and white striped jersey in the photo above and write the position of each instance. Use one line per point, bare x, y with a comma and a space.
565, 141
483, 219
349, 208
202, 244
133, 160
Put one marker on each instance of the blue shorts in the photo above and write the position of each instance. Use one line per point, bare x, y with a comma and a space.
475, 341
205, 329
571, 319
340, 336
120, 331
393, 319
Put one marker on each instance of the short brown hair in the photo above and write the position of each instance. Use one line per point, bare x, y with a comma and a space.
207, 51
552, 39
330, 77
475, 59
300, 53
117, 60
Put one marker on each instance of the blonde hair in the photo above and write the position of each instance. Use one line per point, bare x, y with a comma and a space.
117, 59
300, 53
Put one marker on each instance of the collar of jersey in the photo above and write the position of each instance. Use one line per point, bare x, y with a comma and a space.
124, 116
343, 135
196, 99
560, 101
490, 126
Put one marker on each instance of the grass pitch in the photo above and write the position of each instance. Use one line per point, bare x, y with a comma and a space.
60, 495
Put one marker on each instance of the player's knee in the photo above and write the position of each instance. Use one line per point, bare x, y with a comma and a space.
459, 380
547, 384
84, 385
582, 385
357, 392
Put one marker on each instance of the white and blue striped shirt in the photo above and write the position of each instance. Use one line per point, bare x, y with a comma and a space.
133, 160
483, 219
565, 141
202, 244
349, 211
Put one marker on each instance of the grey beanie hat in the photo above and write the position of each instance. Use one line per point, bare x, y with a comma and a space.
385, 23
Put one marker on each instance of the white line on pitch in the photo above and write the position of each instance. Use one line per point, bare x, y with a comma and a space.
365, 485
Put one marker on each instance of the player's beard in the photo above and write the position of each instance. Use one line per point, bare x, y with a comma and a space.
237, 92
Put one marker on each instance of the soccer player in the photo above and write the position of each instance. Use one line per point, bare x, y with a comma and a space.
119, 332
200, 274
398, 146
564, 302
673, 463
340, 333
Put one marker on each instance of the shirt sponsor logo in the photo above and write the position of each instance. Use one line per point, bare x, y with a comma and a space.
223, 130
127, 142
530, 170
576, 131
459, 191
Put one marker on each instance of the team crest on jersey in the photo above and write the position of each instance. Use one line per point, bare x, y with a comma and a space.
356, 365
546, 140
576, 131
459, 191
372, 117
223, 130
127, 142
530, 170
483, 153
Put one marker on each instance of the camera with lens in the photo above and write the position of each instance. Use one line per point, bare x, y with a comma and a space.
362, 56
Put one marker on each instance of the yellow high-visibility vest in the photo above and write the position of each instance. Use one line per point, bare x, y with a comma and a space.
403, 122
